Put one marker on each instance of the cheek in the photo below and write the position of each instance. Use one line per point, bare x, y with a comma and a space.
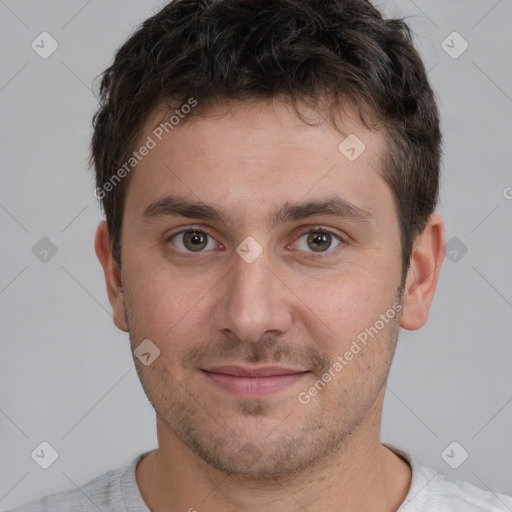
166, 306
337, 308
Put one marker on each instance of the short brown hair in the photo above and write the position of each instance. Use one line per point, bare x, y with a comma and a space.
308, 51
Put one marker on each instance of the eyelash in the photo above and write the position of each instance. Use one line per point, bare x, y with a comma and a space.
315, 229
322, 254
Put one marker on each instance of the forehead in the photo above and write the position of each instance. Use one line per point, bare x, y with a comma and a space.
266, 121
257, 155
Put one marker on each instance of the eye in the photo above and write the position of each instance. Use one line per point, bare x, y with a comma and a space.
319, 241
193, 241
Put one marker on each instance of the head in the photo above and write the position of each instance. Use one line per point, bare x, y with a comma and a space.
304, 136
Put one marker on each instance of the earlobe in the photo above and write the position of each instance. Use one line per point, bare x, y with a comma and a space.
425, 265
113, 281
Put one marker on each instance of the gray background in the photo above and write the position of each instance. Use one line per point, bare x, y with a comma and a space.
66, 373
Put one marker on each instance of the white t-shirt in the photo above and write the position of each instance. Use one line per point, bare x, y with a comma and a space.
117, 491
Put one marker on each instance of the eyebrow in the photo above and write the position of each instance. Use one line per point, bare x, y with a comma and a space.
179, 206
332, 207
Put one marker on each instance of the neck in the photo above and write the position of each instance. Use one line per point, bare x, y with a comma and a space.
361, 474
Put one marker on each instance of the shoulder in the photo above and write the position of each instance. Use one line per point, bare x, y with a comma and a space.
432, 491
105, 492
73, 500
444, 493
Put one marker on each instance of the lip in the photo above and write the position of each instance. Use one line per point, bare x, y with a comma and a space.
244, 371
253, 381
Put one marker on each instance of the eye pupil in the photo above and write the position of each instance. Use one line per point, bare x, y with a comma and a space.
319, 241
195, 241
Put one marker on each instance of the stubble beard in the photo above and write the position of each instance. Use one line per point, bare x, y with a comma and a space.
304, 437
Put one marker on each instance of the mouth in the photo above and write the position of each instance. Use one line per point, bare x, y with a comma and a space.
247, 381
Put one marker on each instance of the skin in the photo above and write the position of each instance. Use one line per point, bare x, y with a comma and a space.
292, 306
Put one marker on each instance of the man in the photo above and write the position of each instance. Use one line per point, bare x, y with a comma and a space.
269, 172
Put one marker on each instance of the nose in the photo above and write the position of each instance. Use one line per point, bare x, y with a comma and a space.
254, 301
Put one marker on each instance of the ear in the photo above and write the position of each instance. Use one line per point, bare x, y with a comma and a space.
113, 279
426, 259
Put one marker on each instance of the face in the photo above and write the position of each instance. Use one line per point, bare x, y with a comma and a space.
251, 242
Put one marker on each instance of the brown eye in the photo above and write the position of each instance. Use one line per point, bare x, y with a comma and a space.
195, 241
192, 241
319, 241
